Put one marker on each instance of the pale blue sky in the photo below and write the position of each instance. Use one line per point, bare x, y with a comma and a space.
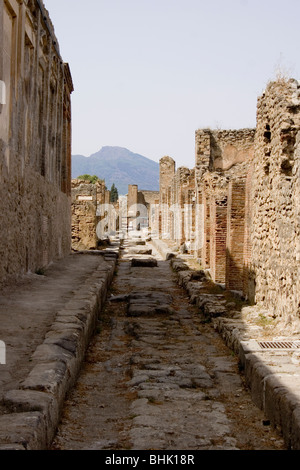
148, 73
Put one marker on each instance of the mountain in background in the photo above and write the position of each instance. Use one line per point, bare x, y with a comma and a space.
120, 166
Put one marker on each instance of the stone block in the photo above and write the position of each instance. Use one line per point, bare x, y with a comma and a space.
144, 263
140, 251
146, 310
23, 430
26, 401
51, 377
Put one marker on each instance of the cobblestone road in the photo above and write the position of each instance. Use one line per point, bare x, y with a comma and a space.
157, 377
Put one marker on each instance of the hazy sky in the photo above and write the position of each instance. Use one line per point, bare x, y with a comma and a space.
148, 73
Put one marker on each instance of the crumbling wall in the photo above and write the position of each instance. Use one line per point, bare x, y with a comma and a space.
86, 197
275, 216
222, 162
35, 141
230, 147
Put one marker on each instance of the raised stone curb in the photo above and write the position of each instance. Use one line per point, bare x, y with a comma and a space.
273, 376
35, 408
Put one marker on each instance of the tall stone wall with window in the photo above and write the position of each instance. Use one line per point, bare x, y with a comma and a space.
275, 195
35, 141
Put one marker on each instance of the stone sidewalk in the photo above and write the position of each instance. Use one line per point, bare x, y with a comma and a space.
269, 356
46, 323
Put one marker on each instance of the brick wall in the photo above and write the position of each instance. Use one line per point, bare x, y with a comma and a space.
235, 235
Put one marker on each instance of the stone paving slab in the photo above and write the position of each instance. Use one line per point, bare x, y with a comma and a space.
62, 308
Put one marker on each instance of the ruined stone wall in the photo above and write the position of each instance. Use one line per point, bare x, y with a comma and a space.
150, 197
275, 216
86, 197
246, 184
229, 147
222, 162
35, 141
221, 149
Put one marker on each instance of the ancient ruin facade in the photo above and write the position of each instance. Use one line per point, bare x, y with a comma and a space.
274, 200
238, 210
35, 141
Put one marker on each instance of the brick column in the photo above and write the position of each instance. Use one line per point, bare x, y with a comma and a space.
235, 235
218, 231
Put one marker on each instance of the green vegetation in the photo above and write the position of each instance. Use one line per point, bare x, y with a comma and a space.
114, 194
92, 179
264, 321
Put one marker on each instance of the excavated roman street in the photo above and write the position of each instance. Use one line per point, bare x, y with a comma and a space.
157, 376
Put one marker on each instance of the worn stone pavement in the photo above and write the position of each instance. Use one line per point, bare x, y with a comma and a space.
46, 323
157, 376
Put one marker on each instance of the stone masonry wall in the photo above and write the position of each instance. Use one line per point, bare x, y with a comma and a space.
35, 141
222, 161
86, 197
275, 217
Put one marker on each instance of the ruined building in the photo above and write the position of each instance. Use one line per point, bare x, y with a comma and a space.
238, 210
35, 141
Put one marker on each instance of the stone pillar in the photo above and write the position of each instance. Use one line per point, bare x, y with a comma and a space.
167, 173
132, 202
203, 152
84, 211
